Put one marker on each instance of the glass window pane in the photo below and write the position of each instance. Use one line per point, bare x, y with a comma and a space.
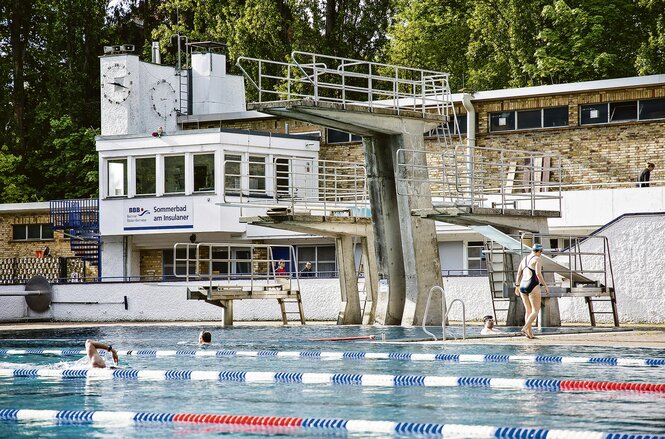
555, 117
34, 231
306, 254
204, 172
335, 136
652, 109
473, 252
325, 269
528, 119
232, 173
257, 175
174, 174
242, 264
220, 263
146, 178
593, 114
47, 231
461, 125
356, 138
282, 177
620, 111
117, 173
326, 253
19, 232
504, 121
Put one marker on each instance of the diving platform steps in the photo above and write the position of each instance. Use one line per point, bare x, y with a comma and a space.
290, 302
503, 253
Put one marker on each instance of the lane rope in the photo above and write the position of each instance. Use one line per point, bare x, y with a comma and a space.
307, 424
367, 380
329, 355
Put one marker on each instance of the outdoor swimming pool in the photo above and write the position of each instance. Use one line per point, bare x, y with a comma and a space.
540, 405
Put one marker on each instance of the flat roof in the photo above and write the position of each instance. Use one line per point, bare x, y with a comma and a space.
24, 207
568, 88
214, 117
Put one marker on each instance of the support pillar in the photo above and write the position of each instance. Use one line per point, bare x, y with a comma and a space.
371, 279
349, 313
406, 246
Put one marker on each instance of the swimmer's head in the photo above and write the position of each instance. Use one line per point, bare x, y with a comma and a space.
205, 337
537, 248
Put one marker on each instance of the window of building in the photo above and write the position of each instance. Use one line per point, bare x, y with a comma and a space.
504, 121
232, 174
174, 174
181, 267
453, 129
32, 232
555, 117
652, 109
322, 258
282, 177
529, 119
476, 258
623, 111
335, 136
117, 177
204, 172
590, 114
146, 177
257, 175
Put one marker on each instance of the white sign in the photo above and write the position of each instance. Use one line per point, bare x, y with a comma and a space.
158, 213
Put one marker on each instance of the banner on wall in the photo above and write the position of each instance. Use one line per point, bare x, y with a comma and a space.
158, 213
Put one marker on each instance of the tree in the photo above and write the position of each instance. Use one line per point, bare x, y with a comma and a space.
589, 40
651, 55
431, 34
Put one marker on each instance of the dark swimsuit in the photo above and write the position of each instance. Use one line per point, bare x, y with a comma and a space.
533, 280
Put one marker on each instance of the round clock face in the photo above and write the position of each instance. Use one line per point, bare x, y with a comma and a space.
116, 83
163, 99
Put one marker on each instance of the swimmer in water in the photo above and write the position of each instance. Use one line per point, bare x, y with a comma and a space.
94, 358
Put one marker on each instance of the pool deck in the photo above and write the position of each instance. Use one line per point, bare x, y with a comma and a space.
630, 336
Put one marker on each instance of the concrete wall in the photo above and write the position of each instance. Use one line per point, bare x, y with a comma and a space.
165, 302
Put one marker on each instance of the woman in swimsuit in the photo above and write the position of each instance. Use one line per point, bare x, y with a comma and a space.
530, 279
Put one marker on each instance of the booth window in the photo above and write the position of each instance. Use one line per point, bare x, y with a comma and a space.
146, 177
476, 259
257, 175
336, 136
32, 232
538, 118
504, 121
174, 174
204, 172
232, 174
117, 177
623, 111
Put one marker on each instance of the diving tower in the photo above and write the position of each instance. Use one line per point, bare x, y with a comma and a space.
215, 275
324, 198
390, 107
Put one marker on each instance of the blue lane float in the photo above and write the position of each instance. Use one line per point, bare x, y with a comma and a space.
355, 355
367, 380
305, 425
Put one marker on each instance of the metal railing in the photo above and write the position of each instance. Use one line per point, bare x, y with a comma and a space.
246, 265
348, 81
331, 187
585, 256
445, 309
491, 177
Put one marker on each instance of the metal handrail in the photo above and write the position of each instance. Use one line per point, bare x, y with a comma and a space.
483, 178
349, 81
309, 184
444, 311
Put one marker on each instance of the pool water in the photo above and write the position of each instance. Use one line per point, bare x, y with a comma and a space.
630, 412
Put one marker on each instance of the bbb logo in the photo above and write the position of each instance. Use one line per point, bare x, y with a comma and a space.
141, 211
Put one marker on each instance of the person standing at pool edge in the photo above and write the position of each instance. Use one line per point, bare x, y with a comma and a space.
529, 279
95, 359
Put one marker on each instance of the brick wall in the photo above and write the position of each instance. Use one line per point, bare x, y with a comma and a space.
151, 264
9, 248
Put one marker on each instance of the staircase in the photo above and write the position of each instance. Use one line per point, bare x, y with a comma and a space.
79, 219
501, 275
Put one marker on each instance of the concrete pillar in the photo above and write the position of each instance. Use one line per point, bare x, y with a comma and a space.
371, 278
349, 313
387, 240
406, 246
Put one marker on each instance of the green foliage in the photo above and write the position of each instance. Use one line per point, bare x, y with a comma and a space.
651, 55
12, 185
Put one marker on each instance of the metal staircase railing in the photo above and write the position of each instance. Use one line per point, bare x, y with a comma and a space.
79, 219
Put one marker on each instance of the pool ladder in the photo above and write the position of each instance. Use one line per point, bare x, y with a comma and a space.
445, 310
